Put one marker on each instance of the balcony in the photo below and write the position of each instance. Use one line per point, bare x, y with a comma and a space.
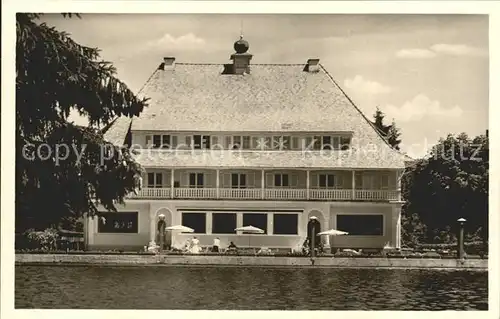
282, 194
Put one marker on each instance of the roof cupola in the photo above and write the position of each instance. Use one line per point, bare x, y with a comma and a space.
241, 59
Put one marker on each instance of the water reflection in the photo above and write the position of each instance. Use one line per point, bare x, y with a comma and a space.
248, 288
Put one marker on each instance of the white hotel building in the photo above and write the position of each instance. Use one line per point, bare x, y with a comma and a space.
267, 145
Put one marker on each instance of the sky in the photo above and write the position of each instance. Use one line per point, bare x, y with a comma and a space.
427, 72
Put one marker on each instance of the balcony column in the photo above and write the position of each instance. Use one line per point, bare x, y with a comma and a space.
353, 185
217, 182
172, 181
308, 184
263, 184
399, 175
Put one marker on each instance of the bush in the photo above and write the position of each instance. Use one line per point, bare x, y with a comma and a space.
45, 240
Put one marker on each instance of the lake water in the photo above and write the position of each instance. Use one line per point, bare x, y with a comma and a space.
239, 288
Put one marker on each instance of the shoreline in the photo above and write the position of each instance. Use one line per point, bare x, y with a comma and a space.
250, 261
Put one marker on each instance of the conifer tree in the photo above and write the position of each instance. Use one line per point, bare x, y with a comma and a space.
64, 170
389, 132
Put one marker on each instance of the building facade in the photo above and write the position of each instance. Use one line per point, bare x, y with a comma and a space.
268, 145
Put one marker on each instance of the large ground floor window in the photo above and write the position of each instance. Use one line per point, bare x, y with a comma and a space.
361, 225
118, 222
256, 219
196, 221
285, 224
223, 223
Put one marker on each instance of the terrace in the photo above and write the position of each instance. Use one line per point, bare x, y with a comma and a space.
278, 185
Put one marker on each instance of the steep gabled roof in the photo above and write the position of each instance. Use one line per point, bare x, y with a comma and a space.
272, 98
117, 130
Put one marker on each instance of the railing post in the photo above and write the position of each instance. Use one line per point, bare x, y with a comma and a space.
217, 182
308, 185
263, 184
353, 195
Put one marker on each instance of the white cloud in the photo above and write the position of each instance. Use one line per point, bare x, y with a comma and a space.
415, 54
457, 49
419, 107
359, 84
441, 49
187, 41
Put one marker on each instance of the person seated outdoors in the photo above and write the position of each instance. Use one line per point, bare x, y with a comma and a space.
187, 247
232, 247
264, 251
216, 245
305, 247
195, 246
320, 248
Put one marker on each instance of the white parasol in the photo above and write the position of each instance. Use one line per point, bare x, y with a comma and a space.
250, 230
182, 229
333, 232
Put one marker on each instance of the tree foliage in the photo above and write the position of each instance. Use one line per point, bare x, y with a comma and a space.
450, 183
389, 132
55, 75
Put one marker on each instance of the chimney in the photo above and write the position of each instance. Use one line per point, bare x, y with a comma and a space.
168, 63
241, 59
312, 65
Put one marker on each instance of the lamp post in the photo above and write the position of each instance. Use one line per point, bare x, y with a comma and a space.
460, 248
313, 235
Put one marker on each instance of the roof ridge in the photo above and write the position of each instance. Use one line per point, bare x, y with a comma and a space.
271, 64
360, 112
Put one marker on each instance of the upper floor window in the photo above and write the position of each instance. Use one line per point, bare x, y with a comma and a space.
155, 180
196, 180
371, 181
250, 142
238, 180
327, 142
345, 142
280, 180
201, 142
281, 143
326, 181
238, 142
158, 141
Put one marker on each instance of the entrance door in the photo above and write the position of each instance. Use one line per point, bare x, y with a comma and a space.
314, 223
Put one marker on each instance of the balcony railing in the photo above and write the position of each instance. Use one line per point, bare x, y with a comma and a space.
195, 192
240, 193
269, 194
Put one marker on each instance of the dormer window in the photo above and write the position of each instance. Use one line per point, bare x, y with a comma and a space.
240, 142
281, 143
327, 142
158, 141
345, 143
201, 142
